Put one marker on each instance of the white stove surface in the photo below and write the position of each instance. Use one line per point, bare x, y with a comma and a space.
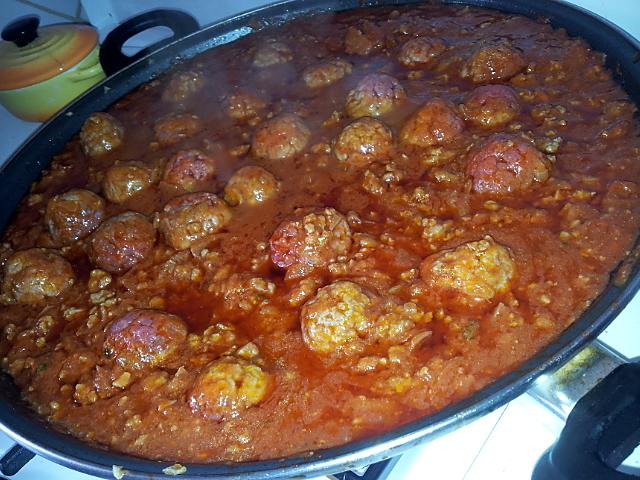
503, 445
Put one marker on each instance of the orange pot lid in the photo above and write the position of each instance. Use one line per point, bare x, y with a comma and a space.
56, 49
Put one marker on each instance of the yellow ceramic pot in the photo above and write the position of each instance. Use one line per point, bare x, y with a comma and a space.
42, 74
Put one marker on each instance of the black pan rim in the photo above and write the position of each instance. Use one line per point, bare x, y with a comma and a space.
17, 421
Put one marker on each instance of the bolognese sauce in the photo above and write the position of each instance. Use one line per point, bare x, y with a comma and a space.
319, 232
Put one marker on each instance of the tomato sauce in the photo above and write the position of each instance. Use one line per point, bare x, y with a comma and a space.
426, 216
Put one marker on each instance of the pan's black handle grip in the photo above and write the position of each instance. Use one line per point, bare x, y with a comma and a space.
111, 56
601, 431
16, 458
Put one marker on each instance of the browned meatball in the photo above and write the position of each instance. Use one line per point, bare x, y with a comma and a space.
192, 217
100, 133
491, 63
125, 180
363, 141
189, 169
250, 186
506, 163
144, 338
273, 53
174, 127
363, 40
418, 52
243, 105
326, 73
336, 320
121, 242
470, 275
73, 215
31, 276
227, 387
491, 105
375, 95
314, 239
281, 137
183, 85
436, 123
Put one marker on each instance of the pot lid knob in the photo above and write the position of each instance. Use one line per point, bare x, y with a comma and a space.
22, 31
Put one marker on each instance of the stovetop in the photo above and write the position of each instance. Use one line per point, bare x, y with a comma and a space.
504, 444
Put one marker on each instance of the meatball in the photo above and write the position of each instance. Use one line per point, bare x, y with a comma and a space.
174, 127
281, 137
73, 215
470, 275
100, 133
326, 73
31, 276
336, 320
363, 40
375, 95
192, 217
273, 53
314, 239
244, 106
506, 163
182, 85
491, 63
121, 242
125, 180
418, 52
189, 169
435, 123
250, 186
363, 142
227, 387
144, 338
491, 105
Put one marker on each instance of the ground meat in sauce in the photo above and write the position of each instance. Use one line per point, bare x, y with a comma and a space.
319, 232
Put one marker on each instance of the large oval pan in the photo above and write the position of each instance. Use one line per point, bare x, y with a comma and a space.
20, 423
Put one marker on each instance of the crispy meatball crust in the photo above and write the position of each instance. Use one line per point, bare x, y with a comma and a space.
363, 141
314, 239
125, 180
326, 73
280, 137
33, 275
73, 215
490, 106
493, 63
189, 169
506, 163
121, 242
182, 86
470, 275
336, 320
189, 218
418, 52
251, 186
175, 127
227, 387
273, 53
374, 95
101, 133
436, 123
144, 338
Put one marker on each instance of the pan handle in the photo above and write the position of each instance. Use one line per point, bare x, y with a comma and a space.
602, 426
13, 461
111, 56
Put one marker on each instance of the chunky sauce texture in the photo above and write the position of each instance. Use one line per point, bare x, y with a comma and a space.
319, 232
